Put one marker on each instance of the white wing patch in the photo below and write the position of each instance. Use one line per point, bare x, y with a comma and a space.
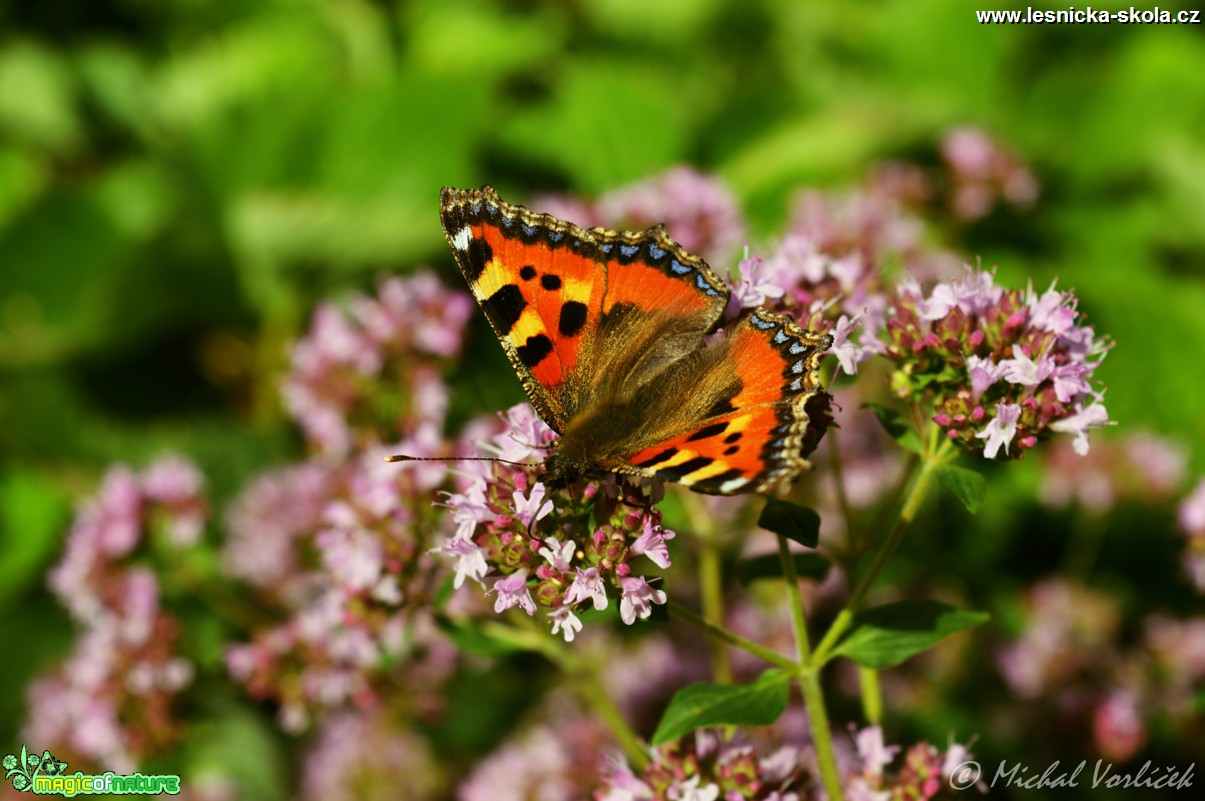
461, 239
733, 485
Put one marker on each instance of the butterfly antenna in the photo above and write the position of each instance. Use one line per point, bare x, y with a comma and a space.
401, 457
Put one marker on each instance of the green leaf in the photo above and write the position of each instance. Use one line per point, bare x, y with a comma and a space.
887, 635
967, 485
38, 97
31, 513
698, 705
807, 565
227, 742
897, 427
575, 129
790, 520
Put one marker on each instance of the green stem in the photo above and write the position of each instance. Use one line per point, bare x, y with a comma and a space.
711, 584
798, 619
872, 695
720, 633
896, 496
592, 691
711, 591
604, 705
809, 680
822, 738
936, 456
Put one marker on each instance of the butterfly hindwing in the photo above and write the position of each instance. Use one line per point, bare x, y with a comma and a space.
750, 433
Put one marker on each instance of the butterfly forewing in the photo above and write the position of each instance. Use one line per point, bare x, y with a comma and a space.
538, 281
577, 310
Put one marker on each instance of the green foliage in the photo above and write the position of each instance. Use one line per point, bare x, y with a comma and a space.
698, 705
797, 523
887, 635
900, 430
32, 512
968, 486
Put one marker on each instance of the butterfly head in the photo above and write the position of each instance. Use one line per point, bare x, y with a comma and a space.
561, 471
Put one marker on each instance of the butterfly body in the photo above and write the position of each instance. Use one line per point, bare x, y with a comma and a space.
606, 331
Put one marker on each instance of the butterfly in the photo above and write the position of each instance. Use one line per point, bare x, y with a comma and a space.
606, 330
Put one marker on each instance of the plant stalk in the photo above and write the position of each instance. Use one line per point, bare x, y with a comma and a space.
720, 633
809, 680
934, 458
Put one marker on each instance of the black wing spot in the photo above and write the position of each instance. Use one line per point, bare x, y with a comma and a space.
527, 273
617, 314
480, 254
733, 437
550, 282
686, 468
724, 405
708, 431
573, 317
534, 351
505, 307
731, 450
658, 458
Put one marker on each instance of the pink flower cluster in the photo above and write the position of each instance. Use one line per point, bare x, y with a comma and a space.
341, 553
1072, 628
1071, 651
828, 269
542, 550
368, 370
926, 771
1003, 369
1140, 467
336, 548
981, 172
111, 703
367, 756
1192, 524
553, 760
705, 766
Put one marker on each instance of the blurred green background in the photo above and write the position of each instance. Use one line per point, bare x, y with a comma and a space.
180, 181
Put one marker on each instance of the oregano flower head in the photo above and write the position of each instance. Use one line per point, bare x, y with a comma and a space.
565, 550
1002, 368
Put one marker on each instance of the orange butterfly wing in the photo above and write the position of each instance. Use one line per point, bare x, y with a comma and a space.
762, 393
606, 331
